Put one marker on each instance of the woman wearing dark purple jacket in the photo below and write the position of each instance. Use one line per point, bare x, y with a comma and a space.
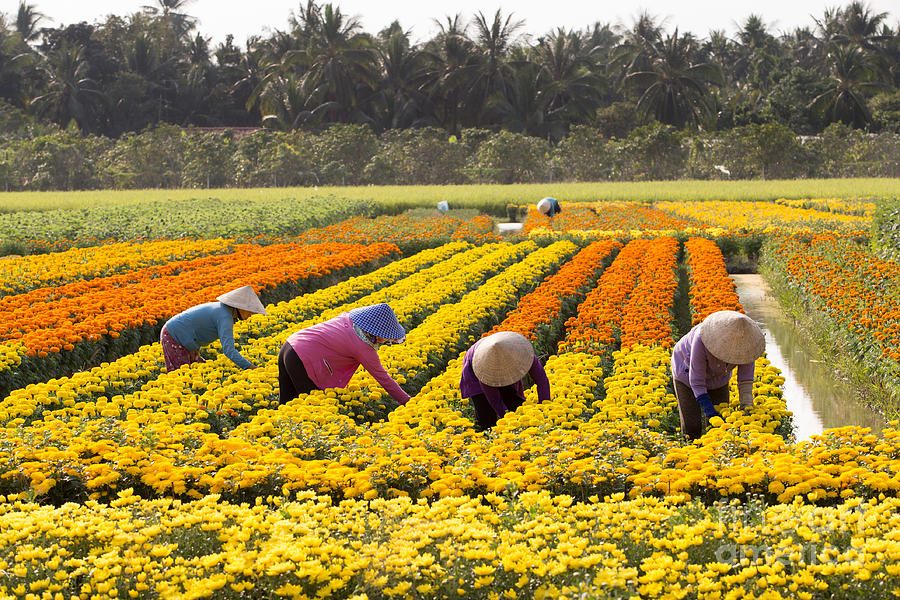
703, 361
493, 368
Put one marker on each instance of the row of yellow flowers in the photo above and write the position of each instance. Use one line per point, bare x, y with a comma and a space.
530, 545
24, 273
850, 206
764, 216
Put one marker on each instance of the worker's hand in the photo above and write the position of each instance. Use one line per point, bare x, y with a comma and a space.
706, 405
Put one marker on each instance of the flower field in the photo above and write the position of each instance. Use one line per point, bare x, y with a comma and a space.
121, 480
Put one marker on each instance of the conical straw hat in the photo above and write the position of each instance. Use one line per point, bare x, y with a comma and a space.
502, 358
732, 337
244, 298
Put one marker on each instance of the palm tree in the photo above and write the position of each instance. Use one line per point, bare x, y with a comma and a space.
403, 75
171, 13
71, 94
194, 98
860, 28
287, 103
450, 59
852, 76
572, 86
638, 43
673, 90
492, 76
27, 19
525, 108
339, 63
16, 61
758, 55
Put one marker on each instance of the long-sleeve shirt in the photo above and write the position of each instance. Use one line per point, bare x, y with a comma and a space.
203, 324
332, 351
693, 365
470, 385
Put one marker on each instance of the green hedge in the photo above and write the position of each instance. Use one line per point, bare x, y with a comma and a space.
170, 157
886, 229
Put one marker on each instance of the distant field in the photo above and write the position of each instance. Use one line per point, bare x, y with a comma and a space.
489, 198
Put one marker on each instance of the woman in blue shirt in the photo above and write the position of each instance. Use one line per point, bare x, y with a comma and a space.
184, 334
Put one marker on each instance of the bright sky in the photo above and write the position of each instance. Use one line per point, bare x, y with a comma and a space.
217, 18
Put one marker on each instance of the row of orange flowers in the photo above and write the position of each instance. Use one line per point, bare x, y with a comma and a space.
711, 288
648, 315
611, 216
404, 230
541, 308
54, 319
594, 328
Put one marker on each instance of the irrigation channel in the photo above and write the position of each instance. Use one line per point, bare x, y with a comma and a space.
815, 394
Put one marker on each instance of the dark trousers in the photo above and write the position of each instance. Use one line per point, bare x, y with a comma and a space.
689, 410
292, 377
485, 417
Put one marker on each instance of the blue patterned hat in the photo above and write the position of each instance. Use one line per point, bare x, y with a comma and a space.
378, 319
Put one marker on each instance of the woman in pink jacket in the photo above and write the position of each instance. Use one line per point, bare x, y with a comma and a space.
327, 355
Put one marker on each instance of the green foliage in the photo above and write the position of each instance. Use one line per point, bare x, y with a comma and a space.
654, 151
417, 156
193, 217
510, 158
886, 111
886, 229
209, 160
616, 120
55, 161
788, 103
769, 151
583, 155
155, 158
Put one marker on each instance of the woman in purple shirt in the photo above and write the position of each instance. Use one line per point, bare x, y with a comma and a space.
327, 355
702, 363
493, 368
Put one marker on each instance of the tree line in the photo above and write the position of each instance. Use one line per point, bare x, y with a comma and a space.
170, 156
153, 67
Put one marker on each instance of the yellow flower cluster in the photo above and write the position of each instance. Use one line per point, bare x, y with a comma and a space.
764, 216
25, 273
528, 545
850, 206
638, 387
